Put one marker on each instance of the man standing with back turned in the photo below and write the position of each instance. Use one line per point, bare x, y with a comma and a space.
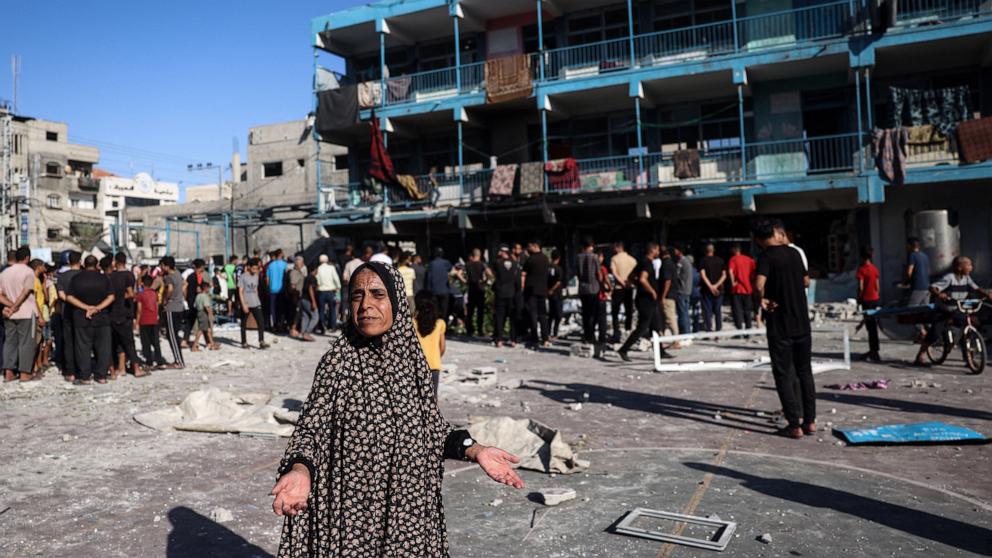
781, 282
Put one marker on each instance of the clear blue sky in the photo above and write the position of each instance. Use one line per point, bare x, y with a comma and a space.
157, 85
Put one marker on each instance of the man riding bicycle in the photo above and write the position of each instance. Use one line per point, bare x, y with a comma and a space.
955, 286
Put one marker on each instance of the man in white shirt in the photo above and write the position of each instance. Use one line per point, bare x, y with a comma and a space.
382, 256
328, 285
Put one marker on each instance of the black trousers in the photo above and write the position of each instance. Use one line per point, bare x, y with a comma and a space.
68, 363
537, 307
600, 320
174, 324
647, 317
871, 324
93, 340
589, 310
441, 302
122, 335
259, 320
503, 310
793, 374
741, 308
625, 298
150, 347
555, 314
521, 315
475, 320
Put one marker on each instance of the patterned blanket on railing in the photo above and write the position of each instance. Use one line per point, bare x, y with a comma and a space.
531, 178
508, 78
563, 174
409, 185
975, 140
501, 183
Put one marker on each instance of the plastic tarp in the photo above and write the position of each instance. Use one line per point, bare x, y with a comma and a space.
539, 447
213, 410
914, 433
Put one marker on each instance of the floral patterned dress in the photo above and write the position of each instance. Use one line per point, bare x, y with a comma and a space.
374, 441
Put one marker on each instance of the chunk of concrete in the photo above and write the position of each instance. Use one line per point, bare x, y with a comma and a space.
483, 376
555, 496
582, 350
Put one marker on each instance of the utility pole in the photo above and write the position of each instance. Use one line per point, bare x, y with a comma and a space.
6, 175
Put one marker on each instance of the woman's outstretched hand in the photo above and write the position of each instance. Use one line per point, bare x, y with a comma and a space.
292, 491
497, 463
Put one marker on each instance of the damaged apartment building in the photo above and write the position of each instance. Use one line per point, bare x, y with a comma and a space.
52, 193
676, 121
268, 204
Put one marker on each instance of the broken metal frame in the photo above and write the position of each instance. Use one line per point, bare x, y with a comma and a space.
725, 529
818, 365
251, 218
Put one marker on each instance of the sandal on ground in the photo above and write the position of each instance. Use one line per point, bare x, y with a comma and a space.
82, 382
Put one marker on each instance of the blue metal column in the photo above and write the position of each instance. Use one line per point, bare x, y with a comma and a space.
857, 100
630, 30
227, 237
733, 18
168, 236
544, 143
740, 117
461, 160
871, 120
455, 10
640, 140
540, 49
382, 64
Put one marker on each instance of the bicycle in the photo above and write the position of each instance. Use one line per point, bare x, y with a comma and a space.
973, 348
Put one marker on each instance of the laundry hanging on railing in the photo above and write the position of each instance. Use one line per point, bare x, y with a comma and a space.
508, 78
337, 109
975, 140
501, 183
943, 108
397, 89
531, 178
686, 162
891, 148
563, 174
409, 184
369, 94
380, 164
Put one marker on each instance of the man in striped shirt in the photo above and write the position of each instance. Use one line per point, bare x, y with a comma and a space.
955, 286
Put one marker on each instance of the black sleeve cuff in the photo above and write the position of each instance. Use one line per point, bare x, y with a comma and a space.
287, 465
455, 446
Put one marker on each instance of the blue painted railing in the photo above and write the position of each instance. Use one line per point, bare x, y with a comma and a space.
585, 60
911, 12
805, 156
433, 84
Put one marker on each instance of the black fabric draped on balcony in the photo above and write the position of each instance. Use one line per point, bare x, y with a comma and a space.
943, 108
337, 109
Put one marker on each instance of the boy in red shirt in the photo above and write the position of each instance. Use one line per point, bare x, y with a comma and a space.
741, 270
147, 301
868, 296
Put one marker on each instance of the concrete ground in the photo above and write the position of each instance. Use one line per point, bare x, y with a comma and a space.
83, 479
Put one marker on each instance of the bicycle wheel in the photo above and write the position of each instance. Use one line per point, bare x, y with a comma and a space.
937, 353
973, 350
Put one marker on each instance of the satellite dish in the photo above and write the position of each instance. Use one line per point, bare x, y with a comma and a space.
144, 182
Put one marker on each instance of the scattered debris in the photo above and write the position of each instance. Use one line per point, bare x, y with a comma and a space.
724, 529
496, 503
66, 438
555, 496
582, 350
765, 538
231, 363
920, 432
539, 447
221, 515
482, 376
574, 406
858, 386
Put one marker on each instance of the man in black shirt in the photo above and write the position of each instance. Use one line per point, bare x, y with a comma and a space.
506, 273
90, 294
477, 273
122, 317
534, 279
66, 349
781, 283
646, 300
713, 271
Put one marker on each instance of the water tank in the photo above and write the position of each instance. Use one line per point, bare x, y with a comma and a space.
940, 237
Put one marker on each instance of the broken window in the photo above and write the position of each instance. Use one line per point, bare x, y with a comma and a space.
54, 234
52, 136
53, 169
271, 169
54, 201
301, 163
340, 162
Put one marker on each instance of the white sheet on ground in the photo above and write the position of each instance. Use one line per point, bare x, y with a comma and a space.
539, 447
213, 410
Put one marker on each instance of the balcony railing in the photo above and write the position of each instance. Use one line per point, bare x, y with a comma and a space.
914, 12
754, 33
805, 156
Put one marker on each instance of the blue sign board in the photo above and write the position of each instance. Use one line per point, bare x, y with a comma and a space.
915, 433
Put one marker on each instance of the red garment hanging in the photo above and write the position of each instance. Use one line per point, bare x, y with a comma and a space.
380, 165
